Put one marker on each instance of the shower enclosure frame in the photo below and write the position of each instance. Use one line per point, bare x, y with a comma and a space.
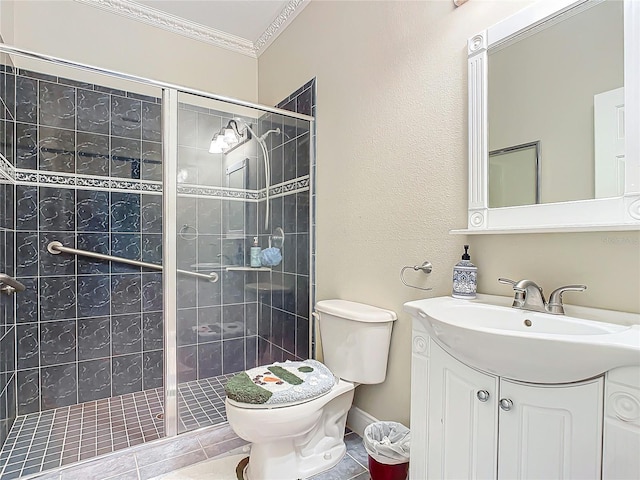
170, 93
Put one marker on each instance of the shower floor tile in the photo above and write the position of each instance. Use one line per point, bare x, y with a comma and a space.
44, 440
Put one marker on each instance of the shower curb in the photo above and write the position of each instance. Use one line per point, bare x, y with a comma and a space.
171, 453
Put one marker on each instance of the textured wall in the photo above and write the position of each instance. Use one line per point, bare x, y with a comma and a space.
93, 36
392, 168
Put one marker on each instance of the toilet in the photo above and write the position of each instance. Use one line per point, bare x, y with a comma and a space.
295, 439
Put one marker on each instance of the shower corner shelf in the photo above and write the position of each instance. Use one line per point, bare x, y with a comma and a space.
247, 269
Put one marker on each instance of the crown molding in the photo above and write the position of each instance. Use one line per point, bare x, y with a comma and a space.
171, 23
186, 28
286, 16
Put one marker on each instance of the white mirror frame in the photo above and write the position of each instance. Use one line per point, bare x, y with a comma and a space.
619, 213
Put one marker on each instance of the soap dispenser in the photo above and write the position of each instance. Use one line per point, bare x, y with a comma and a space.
255, 253
465, 276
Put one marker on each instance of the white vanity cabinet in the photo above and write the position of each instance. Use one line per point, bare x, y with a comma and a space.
469, 424
550, 431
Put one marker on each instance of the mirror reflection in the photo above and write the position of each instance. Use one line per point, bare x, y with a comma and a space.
559, 86
514, 178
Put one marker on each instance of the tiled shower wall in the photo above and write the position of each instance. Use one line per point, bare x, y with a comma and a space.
7, 318
86, 329
87, 173
283, 322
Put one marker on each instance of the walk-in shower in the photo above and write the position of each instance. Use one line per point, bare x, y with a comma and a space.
131, 240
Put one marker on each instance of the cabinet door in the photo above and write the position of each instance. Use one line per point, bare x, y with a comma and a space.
419, 402
550, 432
462, 428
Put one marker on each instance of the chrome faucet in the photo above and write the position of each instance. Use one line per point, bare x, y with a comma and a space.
555, 305
529, 296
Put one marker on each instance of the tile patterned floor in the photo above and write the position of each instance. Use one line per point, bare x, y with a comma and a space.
201, 403
353, 466
45, 440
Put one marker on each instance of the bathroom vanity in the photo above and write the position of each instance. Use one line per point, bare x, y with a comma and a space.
487, 401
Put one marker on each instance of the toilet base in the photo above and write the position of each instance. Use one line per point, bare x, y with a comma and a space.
272, 462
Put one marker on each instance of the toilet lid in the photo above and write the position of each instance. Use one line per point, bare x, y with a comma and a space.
279, 384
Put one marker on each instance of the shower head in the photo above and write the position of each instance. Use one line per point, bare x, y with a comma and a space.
245, 126
268, 132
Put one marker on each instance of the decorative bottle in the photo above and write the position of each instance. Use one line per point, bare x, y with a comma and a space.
465, 275
255, 253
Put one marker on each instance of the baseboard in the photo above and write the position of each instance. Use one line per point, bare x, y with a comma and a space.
357, 420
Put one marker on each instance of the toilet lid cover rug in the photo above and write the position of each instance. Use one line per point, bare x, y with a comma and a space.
280, 384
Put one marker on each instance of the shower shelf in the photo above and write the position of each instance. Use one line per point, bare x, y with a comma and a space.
247, 269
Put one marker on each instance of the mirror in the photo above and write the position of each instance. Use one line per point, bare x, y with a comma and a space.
547, 94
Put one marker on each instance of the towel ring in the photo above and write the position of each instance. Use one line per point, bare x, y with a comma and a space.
426, 268
185, 233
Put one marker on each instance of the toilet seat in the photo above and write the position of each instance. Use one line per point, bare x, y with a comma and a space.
262, 406
278, 385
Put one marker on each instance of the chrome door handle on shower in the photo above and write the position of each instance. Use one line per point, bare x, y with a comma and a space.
10, 285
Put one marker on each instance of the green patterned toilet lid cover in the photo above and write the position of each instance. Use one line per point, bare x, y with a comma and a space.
280, 383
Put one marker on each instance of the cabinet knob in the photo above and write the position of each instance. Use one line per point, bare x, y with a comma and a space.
483, 395
506, 404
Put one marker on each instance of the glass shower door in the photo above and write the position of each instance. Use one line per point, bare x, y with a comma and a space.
250, 315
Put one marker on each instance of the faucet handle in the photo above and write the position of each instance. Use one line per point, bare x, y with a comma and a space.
518, 299
555, 299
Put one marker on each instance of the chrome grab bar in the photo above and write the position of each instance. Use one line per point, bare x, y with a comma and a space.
10, 285
57, 248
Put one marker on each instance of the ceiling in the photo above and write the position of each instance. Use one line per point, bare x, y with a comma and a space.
245, 19
245, 26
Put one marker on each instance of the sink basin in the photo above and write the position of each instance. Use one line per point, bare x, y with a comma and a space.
530, 346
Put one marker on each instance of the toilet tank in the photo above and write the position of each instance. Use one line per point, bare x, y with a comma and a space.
355, 339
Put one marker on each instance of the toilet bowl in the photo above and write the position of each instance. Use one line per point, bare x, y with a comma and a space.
296, 440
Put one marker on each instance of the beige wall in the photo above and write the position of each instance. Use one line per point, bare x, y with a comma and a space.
85, 34
392, 169
6, 20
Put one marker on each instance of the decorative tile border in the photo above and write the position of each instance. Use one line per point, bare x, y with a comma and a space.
286, 188
24, 176
292, 186
221, 192
6, 169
